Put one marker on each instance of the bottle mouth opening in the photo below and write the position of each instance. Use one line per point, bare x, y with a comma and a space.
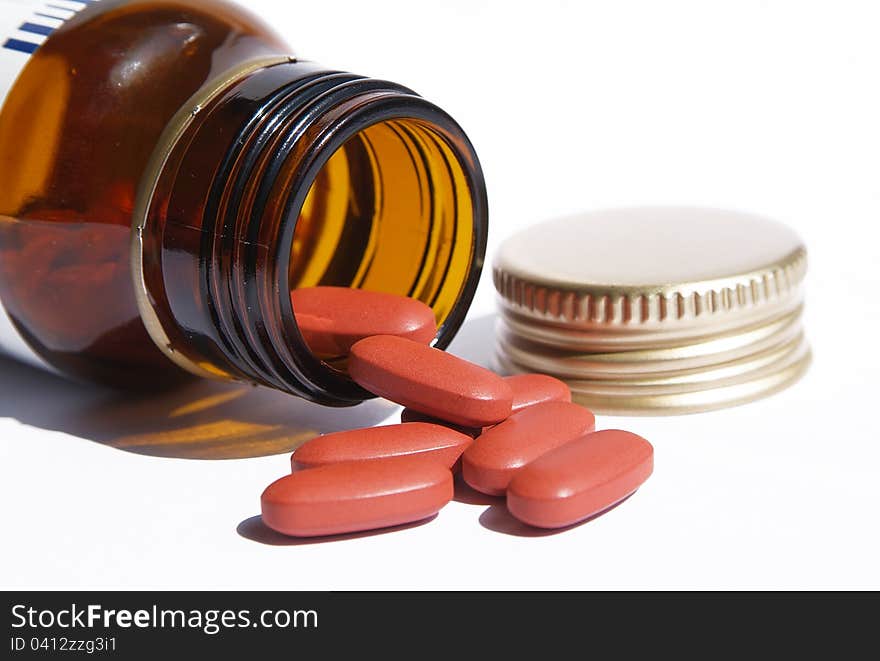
329, 179
396, 204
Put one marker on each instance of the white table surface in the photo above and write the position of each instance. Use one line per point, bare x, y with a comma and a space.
766, 106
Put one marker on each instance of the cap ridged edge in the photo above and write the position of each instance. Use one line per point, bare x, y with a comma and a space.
629, 306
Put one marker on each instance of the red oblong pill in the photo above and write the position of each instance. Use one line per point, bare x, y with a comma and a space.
411, 415
429, 380
580, 479
331, 319
491, 462
412, 439
356, 495
531, 389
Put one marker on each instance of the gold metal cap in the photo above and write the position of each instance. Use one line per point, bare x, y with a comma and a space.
655, 310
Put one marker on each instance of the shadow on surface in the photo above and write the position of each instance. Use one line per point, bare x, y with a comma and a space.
199, 420
255, 530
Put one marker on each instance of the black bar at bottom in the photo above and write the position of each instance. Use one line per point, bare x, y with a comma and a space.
132, 625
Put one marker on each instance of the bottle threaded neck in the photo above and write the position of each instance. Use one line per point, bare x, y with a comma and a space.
298, 176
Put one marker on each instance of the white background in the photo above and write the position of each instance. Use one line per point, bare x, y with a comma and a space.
771, 107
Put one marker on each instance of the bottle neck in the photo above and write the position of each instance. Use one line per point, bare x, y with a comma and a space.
291, 176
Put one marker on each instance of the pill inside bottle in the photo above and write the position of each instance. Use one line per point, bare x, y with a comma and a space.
372, 255
332, 319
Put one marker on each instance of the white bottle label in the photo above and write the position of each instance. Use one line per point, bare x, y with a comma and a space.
24, 26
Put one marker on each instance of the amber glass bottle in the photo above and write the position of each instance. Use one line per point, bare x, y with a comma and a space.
170, 173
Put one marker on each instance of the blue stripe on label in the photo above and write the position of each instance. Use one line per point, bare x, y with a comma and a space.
21, 46
36, 29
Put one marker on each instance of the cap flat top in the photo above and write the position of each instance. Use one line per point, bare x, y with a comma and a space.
647, 248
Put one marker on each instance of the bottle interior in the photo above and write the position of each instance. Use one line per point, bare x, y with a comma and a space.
391, 212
